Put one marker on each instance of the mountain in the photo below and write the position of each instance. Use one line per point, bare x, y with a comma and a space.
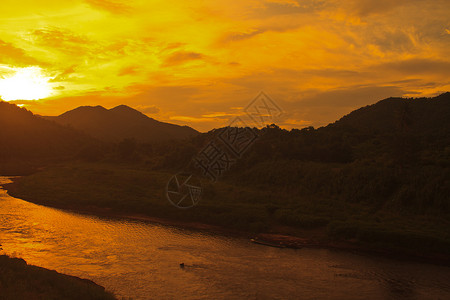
121, 122
24, 135
398, 130
420, 116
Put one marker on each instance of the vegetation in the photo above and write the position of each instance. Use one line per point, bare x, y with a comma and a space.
25, 136
21, 281
131, 189
28, 141
380, 177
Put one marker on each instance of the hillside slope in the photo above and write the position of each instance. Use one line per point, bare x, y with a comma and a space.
419, 115
121, 122
24, 135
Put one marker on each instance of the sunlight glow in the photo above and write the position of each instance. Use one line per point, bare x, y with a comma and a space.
25, 84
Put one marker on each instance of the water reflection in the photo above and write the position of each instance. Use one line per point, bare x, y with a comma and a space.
142, 260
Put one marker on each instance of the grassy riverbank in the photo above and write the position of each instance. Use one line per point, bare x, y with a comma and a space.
18, 280
125, 189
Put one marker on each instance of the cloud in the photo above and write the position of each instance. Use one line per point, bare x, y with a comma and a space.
190, 119
64, 75
319, 108
63, 40
115, 7
27, 102
295, 123
274, 16
272, 8
290, 3
416, 67
176, 94
352, 97
293, 79
6, 71
275, 24
196, 59
220, 115
365, 8
16, 56
368, 7
129, 70
148, 109
239, 36
181, 57
391, 40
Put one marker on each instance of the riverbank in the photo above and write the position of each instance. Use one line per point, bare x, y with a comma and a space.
124, 191
285, 236
18, 280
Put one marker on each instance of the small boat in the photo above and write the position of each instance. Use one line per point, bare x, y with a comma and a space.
265, 243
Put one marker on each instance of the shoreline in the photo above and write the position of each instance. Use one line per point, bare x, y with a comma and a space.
280, 237
25, 280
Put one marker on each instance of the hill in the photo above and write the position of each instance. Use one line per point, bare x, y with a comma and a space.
121, 122
376, 177
394, 154
25, 136
421, 116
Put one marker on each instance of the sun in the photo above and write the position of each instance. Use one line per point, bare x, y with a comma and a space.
25, 84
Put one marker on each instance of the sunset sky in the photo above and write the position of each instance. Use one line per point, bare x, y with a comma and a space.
199, 62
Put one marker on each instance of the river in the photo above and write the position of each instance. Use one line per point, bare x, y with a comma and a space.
142, 260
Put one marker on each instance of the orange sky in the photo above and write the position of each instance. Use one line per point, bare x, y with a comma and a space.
198, 62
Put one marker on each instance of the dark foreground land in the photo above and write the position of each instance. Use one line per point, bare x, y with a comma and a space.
18, 280
376, 180
129, 190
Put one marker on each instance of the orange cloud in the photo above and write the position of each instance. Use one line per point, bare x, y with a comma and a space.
115, 7
193, 61
129, 70
16, 56
62, 40
180, 57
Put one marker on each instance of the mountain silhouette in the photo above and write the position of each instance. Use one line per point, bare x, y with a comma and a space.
393, 125
393, 131
419, 116
25, 135
121, 122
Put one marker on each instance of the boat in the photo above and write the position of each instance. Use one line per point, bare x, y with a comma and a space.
266, 243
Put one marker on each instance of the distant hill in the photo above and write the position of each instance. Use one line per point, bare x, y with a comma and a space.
417, 115
121, 122
24, 135
394, 129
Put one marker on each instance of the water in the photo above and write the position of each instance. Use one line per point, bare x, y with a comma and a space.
141, 260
